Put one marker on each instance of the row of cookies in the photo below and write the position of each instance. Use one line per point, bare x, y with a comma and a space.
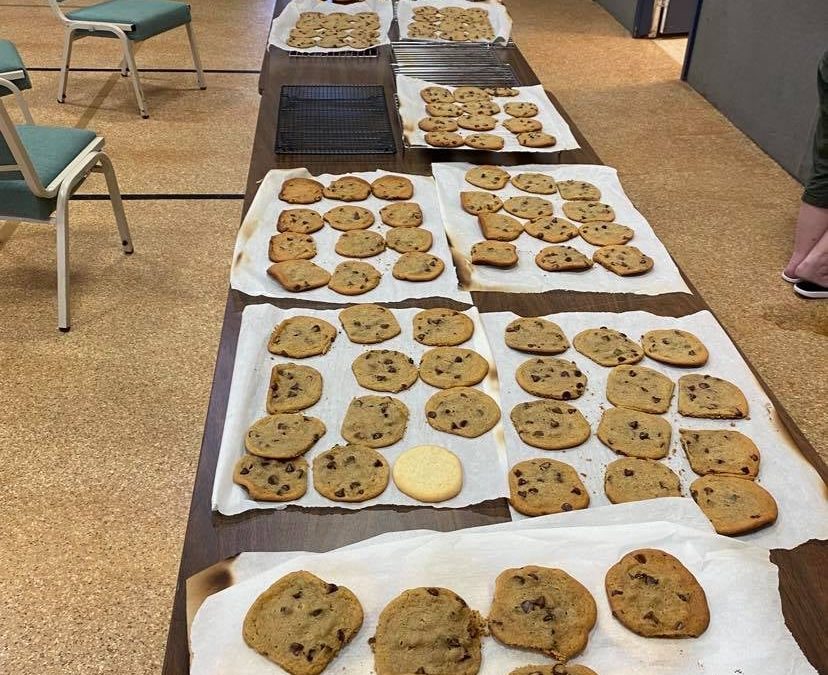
453, 24
334, 30
301, 622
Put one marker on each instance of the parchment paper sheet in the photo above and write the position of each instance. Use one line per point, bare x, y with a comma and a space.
783, 471
413, 109
250, 262
526, 277
498, 16
282, 24
483, 458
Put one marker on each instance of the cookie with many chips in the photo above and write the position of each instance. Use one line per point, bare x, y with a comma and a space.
299, 337
283, 436
607, 347
444, 139
292, 387
369, 324
438, 124
535, 335
462, 411
375, 421
528, 207
551, 229
520, 109
710, 397
640, 388
550, 425
384, 370
402, 214
536, 139
441, 327
446, 367
272, 480
538, 487
350, 473
585, 212
551, 377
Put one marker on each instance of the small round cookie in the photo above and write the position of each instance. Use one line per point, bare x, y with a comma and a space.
631, 479
499, 226
537, 183
369, 324
607, 347
375, 421
354, 277
384, 370
443, 110
734, 505
605, 234
392, 188
528, 207
433, 124
428, 473
522, 126
494, 253
536, 139
550, 377
550, 425
464, 94
476, 202
477, 122
436, 95
624, 261
291, 246
674, 347
402, 214
634, 433
484, 141
416, 266
654, 595
283, 436
500, 92
562, 259
551, 229
446, 367
408, 239
462, 411
480, 108
348, 189
535, 335
349, 218
300, 191
441, 327
585, 212
520, 109
640, 388
720, 451
272, 480
444, 139
710, 397
579, 189
554, 669
538, 487
299, 337
487, 177
360, 244
350, 473
292, 388
301, 221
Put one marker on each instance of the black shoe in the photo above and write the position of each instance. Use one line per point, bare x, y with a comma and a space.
808, 289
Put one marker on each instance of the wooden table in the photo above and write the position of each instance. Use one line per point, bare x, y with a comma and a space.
211, 537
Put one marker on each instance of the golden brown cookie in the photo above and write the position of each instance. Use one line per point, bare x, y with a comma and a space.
462, 411
299, 337
354, 277
578, 190
444, 139
541, 486
734, 505
483, 141
487, 177
292, 388
528, 207
631, 479
408, 239
537, 183
674, 347
635, 433
291, 246
550, 425
392, 188
624, 261
494, 253
301, 221
720, 451
349, 218
536, 139
348, 189
384, 370
499, 226
551, 229
441, 327
350, 473
375, 421
640, 388
360, 244
283, 436
402, 214
416, 266
301, 191
298, 275
551, 377
480, 202
605, 234
536, 335
562, 259
607, 347
585, 212
446, 367
272, 480
711, 397
369, 324
438, 124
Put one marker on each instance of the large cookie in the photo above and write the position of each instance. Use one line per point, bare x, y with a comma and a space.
402, 214
640, 388
585, 212
607, 347
446, 367
298, 275
291, 246
348, 189
654, 595
299, 337
375, 421
408, 239
442, 327
635, 433
720, 451
392, 187
349, 218
301, 221
536, 335
302, 622
360, 244
624, 261
520, 109
417, 266
711, 397
354, 277
550, 377
674, 347
494, 253
462, 411
293, 388
428, 473
538, 183
605, 234
301, 191
734, 505
549, 425
283, 436
551, 229
476, 202
499, 226
562, 259
554, 669
369, 324
579, 190
528, 207
272, 480
487, 177
542, 609
427, 630
350, 473
630, 479
384, 370
538, 487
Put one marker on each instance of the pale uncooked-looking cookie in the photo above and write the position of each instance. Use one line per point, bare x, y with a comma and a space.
631, 479
446, 367
428, 473
550, 425
417, 266
640, 388
369, 324
299, 337
272, 480
441, 327
674, 347
734, 505
354, 277
375, 421
283, 436
711, 397
551, 377
540, 486
494, 253
607, 347
384, 370
562, 259
536, 335
462, 411
720, 451
635, 433
298, 275
350, 473
293, 388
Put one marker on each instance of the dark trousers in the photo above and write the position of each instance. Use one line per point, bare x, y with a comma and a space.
816, 189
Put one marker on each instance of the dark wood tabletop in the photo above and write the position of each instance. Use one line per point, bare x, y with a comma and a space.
211, 537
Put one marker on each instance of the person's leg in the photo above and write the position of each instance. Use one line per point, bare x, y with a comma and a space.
814, 267
811, 226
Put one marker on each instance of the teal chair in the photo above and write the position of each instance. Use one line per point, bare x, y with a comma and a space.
14, 73
40, 169
128, 21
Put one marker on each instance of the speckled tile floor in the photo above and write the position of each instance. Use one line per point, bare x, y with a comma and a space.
100, 428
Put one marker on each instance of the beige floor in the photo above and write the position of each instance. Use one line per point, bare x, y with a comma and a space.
101, 427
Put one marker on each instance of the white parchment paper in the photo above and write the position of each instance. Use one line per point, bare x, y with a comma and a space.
747, 633
799, 491
498, 16
463, 231
413, 109
282, 24
483, 458
250, 261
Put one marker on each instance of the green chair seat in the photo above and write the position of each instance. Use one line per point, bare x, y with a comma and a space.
10, 61
147, 17
51, 150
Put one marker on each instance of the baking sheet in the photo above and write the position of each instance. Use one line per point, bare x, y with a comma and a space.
250, 262
498, 17
282, 24
799, 491
413, 109
747, 633
483, 458
463, 231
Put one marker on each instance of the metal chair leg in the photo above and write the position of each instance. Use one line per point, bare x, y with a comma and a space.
124, 69
62, 223
129, 57
117, 203
196, 58
68, 39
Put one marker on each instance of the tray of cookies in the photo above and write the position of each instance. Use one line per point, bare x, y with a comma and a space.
371, 236
510, 119
358, 407
453, 21
311, 26
533, 228
633, 406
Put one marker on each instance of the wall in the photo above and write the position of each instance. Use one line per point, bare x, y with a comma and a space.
625, 10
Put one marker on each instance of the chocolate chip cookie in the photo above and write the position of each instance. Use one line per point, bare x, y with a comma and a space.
348, 189
483, 141
494, 253
551, 229
579, 190
721, 451
375, 421
549, 425
640, 388
301, 221
369, 324
634, 433
674, 347
350, 473
444, 139
487, 177
402, 214
625, 261
554, 669
551, 377
299, 337
734, 505
536, 139
446, 367
272, 480
538, 183
360, 244
442, 327
477, 123
476, 202
384, 370
710, 397
438, 125
499, 226
283, 436
528, 207
291, 246
354, 277
536, 335
538, 487
605, 234
562, 259
416, 266
524, 125
301, 191
585, 212
436, 95
349, 218
392, 188
409, 239
631, 479
520, 109
607, 347
298, 275
462, 411
292, 388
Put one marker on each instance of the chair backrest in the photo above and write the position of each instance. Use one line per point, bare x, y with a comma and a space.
55, 5
13, 155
